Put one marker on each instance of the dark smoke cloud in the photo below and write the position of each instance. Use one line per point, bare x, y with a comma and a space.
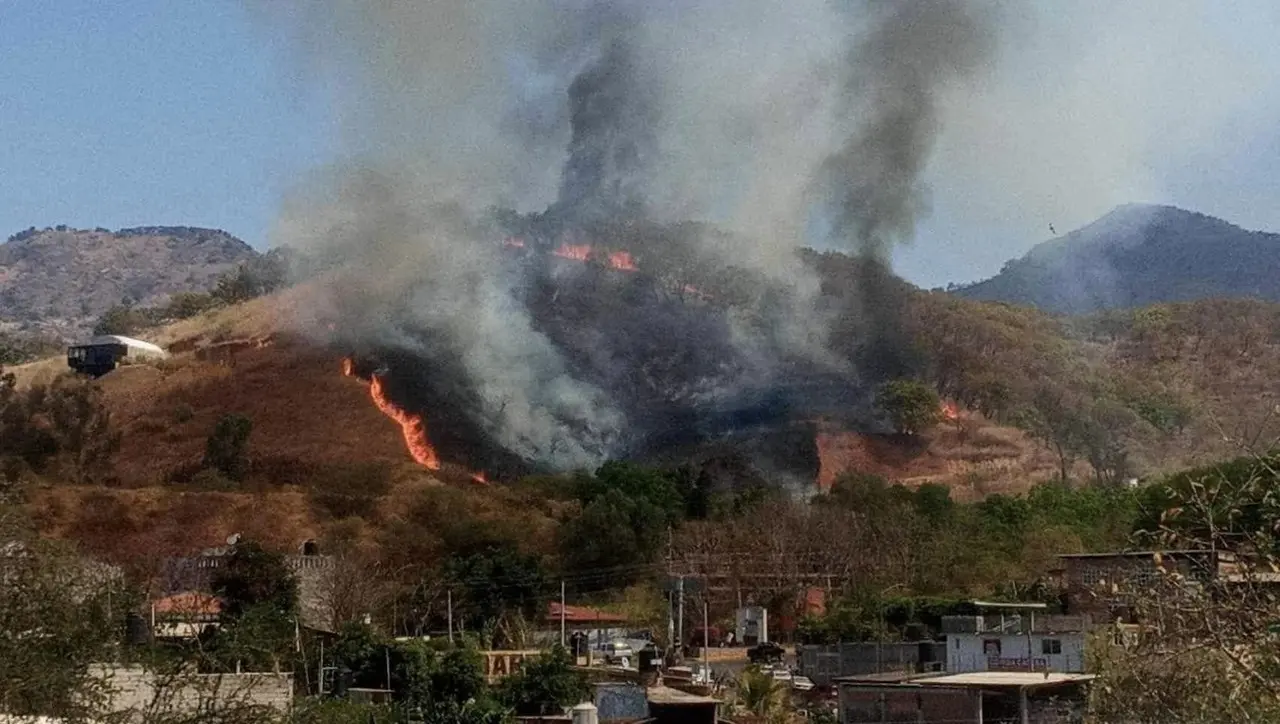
628, 116
613, 117
896, 73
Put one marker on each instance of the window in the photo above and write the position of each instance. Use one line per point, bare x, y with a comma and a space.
991, 647
1050, 646
1091, 576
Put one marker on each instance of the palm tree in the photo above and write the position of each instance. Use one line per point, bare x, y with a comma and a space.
758, 692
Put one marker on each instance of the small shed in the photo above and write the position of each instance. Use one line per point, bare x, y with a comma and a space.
103, 353
672, 706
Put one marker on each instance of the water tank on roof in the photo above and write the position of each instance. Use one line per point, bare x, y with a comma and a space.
578, 643
961, 624
137, 630
585, 713
649, 658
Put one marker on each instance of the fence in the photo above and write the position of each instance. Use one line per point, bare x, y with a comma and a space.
822, 664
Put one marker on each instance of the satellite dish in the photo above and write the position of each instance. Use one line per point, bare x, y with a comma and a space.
233, 539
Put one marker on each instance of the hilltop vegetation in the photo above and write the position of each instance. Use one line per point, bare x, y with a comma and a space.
1135, 256
57, 281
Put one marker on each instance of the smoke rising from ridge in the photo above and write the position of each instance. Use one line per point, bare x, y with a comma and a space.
616, 118
895, 75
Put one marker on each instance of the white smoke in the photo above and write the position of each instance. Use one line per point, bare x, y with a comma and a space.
727, 113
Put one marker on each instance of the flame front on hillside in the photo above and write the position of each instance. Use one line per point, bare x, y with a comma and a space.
413, 427
621, 260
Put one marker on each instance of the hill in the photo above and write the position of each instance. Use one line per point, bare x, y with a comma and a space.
1138, 255
1160, 388
1100, 399
59, 280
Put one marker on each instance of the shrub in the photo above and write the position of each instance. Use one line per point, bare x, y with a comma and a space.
227, 447
911, 405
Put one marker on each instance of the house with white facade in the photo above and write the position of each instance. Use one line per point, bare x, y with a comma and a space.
1015, 637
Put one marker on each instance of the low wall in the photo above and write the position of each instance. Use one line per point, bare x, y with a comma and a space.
822, 664
142, 694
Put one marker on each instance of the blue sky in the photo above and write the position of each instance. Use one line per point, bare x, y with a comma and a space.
131, 112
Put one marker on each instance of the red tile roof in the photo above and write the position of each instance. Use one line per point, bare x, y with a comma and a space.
188, 603
582, 615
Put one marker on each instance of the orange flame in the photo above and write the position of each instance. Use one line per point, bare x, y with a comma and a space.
623, 261
480, 478
412, 426
577, 252
950, 412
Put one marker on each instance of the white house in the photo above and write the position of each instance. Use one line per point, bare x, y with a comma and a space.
1015, 638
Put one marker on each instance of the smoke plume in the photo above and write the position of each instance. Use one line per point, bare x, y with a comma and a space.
619, 126
872, 185
613, 124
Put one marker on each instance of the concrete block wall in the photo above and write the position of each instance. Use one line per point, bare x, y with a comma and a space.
138, 692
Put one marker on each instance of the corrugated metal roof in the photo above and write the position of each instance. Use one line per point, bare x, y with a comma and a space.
582, 615
1004, 678
126, 341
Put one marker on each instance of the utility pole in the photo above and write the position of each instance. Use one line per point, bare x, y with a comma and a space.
706, 633
680, 613
671, 621
449, 593
562, 613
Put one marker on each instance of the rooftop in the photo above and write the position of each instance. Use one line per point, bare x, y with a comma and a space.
1013, 604
998, 679
188, 603
582, 615
126, 341
667, 695
1143, 554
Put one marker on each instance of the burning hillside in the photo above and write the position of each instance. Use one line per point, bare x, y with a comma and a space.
551, 263
685, 370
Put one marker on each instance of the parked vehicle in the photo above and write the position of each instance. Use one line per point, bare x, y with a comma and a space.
802, 683
619, 653
765, 652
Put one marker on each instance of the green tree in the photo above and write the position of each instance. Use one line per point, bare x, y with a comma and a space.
499, 588
252, 279
66, 420
614, 532
59, 615
758, 692
80, 425
1103, 438
252, 576
1056, 421
544, 685
934, 504
120, 319
184, 305
625, 509
911, 406
259, 595
661, 489
227, 447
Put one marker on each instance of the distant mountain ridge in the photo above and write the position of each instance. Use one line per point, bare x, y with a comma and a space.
58, 280
1138, 255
